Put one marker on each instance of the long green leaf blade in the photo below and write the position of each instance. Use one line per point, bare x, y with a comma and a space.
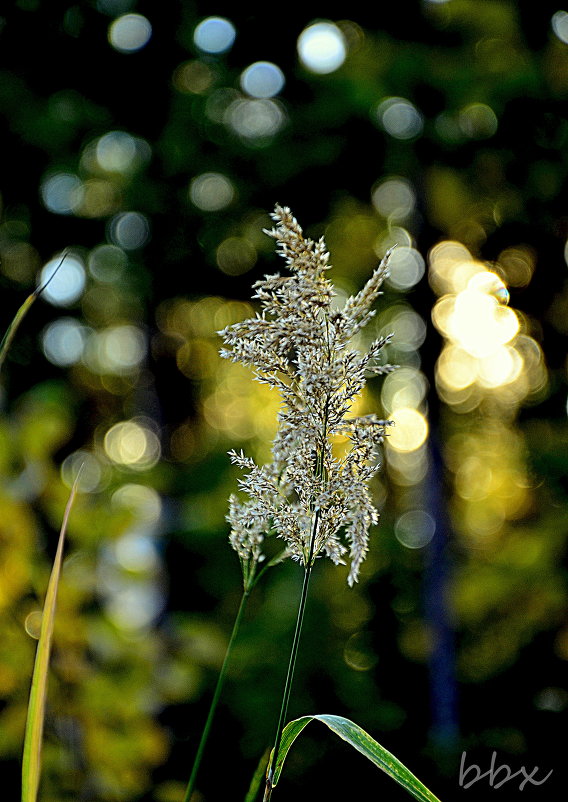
362, 741
31, 764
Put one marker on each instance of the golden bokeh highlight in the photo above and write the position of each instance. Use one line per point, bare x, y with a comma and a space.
410, 430
407, 468
405, 387
197, 358
202, 318
232, 406
143, 502
491, 481
131, 444
486, 350
240, 408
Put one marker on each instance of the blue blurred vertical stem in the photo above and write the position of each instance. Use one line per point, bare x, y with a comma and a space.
443, 691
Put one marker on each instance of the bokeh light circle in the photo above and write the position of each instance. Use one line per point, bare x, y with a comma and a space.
136, 553
135, 606
132, 445
129, 230
262, 79
66, 287
409, 330
415, 529
32, 624
116, 350
407, 267
255, 119
62, 193
322, 48
405, 387
116, 151
394, 198
129, 33
91, 471
214, 35
478, 121
193, 76
410, 430
63, 341
359, 653
211, 192
400, 118
107, 262
559, 24
141, 501
235, 256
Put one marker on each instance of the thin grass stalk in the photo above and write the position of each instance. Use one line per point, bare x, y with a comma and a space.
291, 664
13, 327
21, 313
215, 700
287, 686
301, 610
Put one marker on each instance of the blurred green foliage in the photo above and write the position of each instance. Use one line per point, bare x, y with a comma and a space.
157, 169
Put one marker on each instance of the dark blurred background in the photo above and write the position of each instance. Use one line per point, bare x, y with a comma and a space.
152, 141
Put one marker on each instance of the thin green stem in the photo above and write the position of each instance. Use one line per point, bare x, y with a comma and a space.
215, 700
321, 474
291, 665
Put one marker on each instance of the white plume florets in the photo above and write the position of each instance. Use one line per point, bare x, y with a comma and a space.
299, 344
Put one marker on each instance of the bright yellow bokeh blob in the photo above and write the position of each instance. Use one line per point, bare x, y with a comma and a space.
132, 445
410, 430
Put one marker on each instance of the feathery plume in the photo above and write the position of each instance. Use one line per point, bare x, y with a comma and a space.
300, 345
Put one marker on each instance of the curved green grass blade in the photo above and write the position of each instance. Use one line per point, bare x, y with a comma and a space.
31, 764
362, 741
21, 313
13, 327
257, 777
